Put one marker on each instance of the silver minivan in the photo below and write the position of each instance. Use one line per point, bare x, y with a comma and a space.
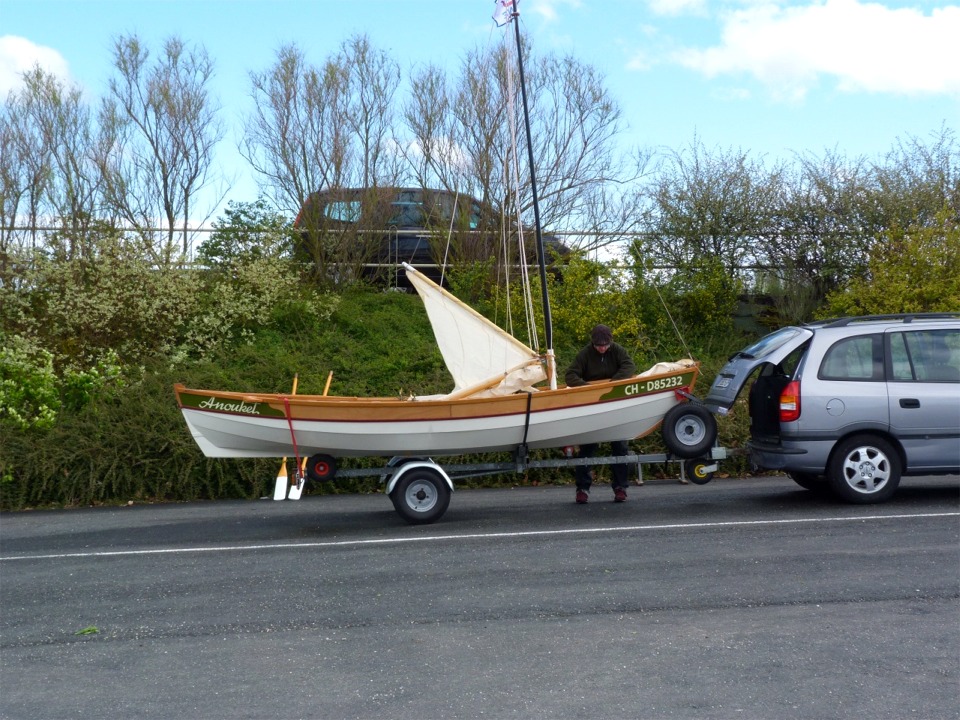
852, 404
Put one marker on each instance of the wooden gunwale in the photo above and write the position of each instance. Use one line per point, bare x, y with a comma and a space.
356, 409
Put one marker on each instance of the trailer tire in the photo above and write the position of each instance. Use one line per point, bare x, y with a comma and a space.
689, 430
321, 467
421, 496
696, 471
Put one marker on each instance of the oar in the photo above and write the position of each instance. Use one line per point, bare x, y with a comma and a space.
280, 489
296, 489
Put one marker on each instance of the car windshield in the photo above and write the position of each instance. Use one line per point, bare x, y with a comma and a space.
770, 343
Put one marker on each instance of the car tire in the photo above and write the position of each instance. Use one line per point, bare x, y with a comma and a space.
864, 469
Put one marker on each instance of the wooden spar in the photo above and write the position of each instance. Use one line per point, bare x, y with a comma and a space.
541, 260
487, 384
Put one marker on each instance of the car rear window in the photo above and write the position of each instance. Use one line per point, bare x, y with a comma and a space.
343, 210
855, 358
770, 343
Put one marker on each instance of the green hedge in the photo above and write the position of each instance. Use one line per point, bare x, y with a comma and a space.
115, 434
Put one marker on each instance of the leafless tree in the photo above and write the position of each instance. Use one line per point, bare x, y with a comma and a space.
471, 138
373, 78
72, 191
164, 126
431, 155
710, 204
296, 136
315, 128
325, 128
820, 233
917, 180
25, 169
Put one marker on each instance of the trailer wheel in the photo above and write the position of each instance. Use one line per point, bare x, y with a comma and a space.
321, 467
696, 471
421, 496
689, 430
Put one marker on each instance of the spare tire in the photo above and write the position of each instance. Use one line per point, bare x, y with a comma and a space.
689, 430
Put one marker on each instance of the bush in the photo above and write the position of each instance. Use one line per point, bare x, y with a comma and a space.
249, 231
912, 270
120, 437
132, 443
107, 298
29, 394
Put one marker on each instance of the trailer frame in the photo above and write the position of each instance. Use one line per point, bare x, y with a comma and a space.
420, 487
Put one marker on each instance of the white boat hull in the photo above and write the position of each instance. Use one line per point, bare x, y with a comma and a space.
556, 418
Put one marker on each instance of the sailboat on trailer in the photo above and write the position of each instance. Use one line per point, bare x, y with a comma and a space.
495, 404
498, 402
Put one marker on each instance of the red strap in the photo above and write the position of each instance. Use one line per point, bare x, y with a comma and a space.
296, 452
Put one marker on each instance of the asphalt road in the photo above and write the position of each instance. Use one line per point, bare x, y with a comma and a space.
746, 598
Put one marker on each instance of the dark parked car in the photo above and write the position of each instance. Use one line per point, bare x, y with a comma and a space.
380, 228
852, 404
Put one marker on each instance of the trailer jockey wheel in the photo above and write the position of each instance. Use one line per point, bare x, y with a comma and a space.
696, 472
321, 467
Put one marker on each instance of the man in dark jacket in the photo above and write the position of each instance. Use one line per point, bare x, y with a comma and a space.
602, 359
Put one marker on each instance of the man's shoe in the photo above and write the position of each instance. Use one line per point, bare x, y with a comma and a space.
619, 495
582, 497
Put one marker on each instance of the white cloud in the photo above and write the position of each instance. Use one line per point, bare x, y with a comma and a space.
648, 54
548, 9
677, 7
18, 55
863, 47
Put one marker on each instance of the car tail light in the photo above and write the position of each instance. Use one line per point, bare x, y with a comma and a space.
790, 402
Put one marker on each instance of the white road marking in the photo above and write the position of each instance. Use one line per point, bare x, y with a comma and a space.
474, 536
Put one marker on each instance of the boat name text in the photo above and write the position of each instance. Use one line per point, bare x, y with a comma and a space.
236, 407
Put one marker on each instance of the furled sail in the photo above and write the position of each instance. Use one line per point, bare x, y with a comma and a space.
482, 358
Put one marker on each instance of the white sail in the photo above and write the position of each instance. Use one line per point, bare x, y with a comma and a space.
482, 358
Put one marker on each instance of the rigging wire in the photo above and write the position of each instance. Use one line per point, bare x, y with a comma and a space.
675, 328
514, 160
446, 250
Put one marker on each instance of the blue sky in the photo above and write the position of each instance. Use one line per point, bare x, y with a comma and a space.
768, 76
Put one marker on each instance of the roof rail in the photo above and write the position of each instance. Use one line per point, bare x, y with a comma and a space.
901, 317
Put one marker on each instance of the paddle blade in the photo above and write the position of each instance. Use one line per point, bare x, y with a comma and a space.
296, 486
280, 489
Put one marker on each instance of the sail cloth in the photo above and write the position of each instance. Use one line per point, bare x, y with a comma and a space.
483, 359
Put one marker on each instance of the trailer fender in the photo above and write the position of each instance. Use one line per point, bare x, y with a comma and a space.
406, 465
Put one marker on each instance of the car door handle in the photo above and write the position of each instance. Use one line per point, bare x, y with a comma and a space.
909, 403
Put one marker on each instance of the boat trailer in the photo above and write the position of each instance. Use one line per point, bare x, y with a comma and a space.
420, 488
